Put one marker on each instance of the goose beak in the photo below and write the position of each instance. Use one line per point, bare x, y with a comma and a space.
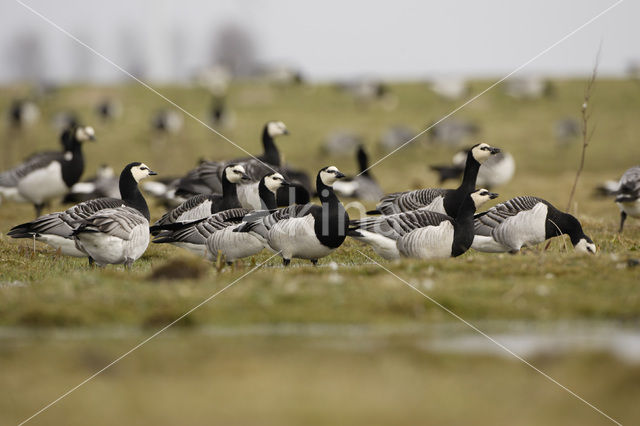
245, 177
493, 150
340, 175
493, 195
285, 132
286, 184
152, 173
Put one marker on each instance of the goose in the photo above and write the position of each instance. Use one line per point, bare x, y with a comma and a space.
202, 206
167, 121
362, 186
56, 229
421, 234
23, 113
108, 109
46, 177
306, 231
396, 136
104, 184
497, 170
526, 221
445, 201
214, 234
628, 195
452, 132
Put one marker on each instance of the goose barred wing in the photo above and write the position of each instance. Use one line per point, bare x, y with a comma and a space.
119, 222
195, 208
11, 177
204, 179
397, 225
486, 222
399, 202
294, 211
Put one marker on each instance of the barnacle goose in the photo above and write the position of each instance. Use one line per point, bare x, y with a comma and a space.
421, 234
108, 109
445, 201
306, 231
46, 177
526, 221
497, 170
56, 229
104, 184
628, 195
23, 113
215, 234
169, 121
362, 186
202, 206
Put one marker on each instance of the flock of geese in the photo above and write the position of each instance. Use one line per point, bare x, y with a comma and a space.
234, 209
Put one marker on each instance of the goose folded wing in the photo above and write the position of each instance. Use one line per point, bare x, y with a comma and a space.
11, 177
271, 218
195, 208
397, 225
486, 222
410, 200
119, 222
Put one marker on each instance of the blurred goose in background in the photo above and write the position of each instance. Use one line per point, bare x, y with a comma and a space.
46, 177
308, 231
497, 170
108, 109
451, 89
445, 201
526, 221
56, 229
628, 195
363, 186
528, 87
65, 119
23, 113
566, 131
396, 136
168, 121
202, 206
341, 142
422, 234
453, 132
220, 114
104, 184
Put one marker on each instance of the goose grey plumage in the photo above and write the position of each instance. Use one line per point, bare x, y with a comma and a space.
363, 186
497, 170
199, 235
202, 206
46, 177
445, 201
421, 234
526, 221
628, 195
56, 229
306, 231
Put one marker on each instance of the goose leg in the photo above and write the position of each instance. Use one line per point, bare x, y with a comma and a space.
127, 264
91, 261
314, 262
38, 209
623, 217
286, 262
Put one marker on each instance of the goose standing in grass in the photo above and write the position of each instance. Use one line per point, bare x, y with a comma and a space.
628, 195
56, 229
215, 234
445, 201
526, 221
23, 113
47, 177
202, 206
422, 234
306, 231
363, 186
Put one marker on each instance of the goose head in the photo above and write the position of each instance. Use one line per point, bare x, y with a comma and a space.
275, 181
480, 152
84, 133
329, 175
139, 171
585, 245
236, 173
276, 128
481, 196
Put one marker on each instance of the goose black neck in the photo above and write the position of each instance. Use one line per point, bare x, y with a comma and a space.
267, 198
463, 227
72, 163
559, 223
131, 195
471, 168
466, 211
325, 192
363, 162
229, 193
271, 154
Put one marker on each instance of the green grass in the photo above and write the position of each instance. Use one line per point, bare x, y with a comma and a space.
245, 381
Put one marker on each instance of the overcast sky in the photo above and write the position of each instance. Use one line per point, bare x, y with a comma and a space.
327, 39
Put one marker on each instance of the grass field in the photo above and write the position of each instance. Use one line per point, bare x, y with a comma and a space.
61, 321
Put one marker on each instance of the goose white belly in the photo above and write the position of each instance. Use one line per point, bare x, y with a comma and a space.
108, 249
632, 208
233, 245
43, 184
67, 246
496, 174
430, 242
296, 237
249, 196
527, 228
11, 193
197, 249
383, 246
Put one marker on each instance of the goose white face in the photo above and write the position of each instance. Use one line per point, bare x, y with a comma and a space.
276, 128
481, 196
235, 174
86, 133
274, 182
585, 246
330, 175
483, 151
141, 171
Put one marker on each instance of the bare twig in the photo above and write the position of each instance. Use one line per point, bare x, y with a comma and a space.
586, 132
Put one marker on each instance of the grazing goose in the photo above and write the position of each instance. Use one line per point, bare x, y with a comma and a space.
445, 201
422, 234
202, 206
628, 195
526, 221
497, 170
103, 184
306, 231
56, 229
214, 234
362, 186
46, 177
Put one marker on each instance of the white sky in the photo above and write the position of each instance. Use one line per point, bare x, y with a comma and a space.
334, 38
